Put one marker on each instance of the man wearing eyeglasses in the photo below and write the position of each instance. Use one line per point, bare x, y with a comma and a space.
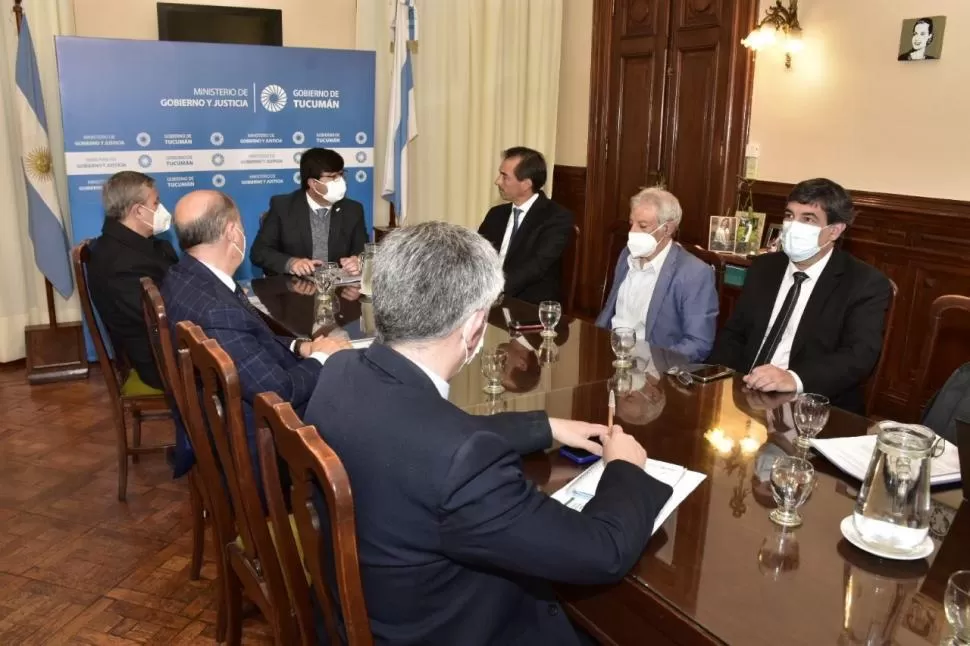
313, 225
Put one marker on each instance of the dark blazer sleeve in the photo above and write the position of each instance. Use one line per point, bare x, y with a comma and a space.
552, 242
525, 432
491, 516
489, 228
860, 343
265, 252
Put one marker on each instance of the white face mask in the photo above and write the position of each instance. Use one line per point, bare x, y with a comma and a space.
642, 244
161, 219
334, 190
478, 348
800, 240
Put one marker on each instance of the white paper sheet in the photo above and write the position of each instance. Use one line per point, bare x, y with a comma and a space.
852, 454
582, 488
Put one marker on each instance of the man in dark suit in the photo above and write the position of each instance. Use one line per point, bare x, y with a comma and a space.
126, 252
809, 319
455, 546
531, 232
312, 225
200, 288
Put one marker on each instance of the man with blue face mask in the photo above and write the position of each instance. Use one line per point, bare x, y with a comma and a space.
661, 291
810, 318
313, 225
130, 247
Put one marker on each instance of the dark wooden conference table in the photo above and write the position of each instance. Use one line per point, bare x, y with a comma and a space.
718, 571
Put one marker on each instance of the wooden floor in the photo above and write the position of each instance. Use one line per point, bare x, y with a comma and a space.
76, 565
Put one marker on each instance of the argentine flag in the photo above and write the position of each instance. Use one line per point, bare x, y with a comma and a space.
43, 211
402, 126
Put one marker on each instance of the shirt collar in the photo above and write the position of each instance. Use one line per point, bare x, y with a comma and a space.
223, 277
440, 384
314, 205
527, 204
814, 271
656, 263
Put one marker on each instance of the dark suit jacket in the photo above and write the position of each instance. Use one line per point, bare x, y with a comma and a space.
455, 545
533, 262
839, 337
285, 232
120, 258
263, 360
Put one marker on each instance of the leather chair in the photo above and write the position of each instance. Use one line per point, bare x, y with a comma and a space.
875, 379
940, 306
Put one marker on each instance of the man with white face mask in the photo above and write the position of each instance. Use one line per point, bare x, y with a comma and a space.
809, 318
313, 225
660, 290
130, 248
455, 545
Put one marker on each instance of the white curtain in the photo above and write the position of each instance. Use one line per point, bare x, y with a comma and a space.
486, 78
22, 296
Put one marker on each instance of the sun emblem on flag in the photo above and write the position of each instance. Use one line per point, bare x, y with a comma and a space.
38, 163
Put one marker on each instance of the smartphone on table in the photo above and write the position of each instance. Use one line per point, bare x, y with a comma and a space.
579, 456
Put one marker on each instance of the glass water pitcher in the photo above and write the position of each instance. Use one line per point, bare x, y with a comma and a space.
367, 268
892, 510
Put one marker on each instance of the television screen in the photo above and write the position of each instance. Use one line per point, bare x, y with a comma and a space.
207, 24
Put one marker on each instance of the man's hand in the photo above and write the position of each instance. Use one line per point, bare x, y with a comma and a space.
350, 293
577, 434
620, 446
351, 265
768, 378
302, 266
765, 401
327, 345
300, 286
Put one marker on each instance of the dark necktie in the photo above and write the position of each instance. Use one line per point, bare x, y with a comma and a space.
781, 322
242, 298
516, 214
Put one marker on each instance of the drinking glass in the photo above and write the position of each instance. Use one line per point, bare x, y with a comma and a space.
548, 352
549, 314
956, 603
779, 554
811, 415
792, 480
493, 369
367, 268
623, 339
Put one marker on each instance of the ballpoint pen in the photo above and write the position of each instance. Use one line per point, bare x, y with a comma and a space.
612, 410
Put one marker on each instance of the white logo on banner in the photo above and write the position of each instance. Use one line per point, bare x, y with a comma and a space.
296, 177
218, 159
273, 98
218, 180
216, 139
361, 138
143, 139
297, 155
361, 157
361, 176
298, 138
144, 161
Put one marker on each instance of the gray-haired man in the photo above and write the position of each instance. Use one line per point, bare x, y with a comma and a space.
455, 545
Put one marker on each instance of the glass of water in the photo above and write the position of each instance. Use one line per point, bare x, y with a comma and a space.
549, 314
367, 268
623, 340
493, 369
811, 415
956, 603
792, 481
325, 278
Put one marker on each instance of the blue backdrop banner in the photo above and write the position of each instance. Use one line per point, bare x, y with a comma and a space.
192, 115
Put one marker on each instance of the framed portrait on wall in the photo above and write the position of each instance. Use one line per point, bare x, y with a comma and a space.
750, 227
722, 233
921, 39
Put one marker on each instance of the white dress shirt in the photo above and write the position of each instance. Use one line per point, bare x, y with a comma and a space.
440, 384
314, 205
507, 238
633, 297
783, 352
227, 280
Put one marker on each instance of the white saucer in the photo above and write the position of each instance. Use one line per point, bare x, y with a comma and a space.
923, 550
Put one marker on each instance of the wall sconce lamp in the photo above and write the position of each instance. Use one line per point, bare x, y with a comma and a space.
778, 19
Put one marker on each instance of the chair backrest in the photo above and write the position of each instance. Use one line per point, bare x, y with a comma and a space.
81, 256
619, 231
216, 414
875, 379
716, 261
570, 271
963, 448
940, 306
309, 459
160, 336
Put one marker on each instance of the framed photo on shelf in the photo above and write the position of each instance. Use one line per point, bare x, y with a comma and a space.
773, 239
750, 227
722, 233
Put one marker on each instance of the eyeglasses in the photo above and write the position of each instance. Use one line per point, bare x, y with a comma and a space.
681, 375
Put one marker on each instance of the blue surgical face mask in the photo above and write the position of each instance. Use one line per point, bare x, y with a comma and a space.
799, 240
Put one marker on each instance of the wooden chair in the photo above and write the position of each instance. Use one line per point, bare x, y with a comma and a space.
160, 336
251, 564
570, 271
309, 460
115, 371
917, 396
875, 379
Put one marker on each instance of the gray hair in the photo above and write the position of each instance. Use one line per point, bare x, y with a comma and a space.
429, 278
667, 206
124, 190
209, 225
